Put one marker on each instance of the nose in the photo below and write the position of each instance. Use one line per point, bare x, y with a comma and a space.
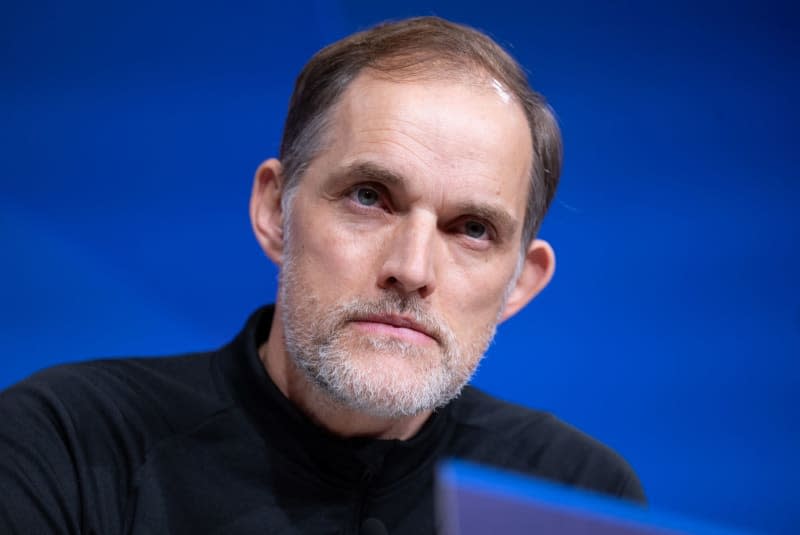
409, 264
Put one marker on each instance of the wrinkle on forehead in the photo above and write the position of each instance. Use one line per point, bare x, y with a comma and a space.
413, 123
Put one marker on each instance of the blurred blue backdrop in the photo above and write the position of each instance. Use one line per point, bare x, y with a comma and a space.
129, 134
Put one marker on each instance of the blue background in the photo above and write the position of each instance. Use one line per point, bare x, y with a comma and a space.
129, 134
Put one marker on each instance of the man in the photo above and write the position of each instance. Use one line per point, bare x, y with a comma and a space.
416, 166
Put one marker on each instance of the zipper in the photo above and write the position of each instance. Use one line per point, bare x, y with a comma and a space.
361, 500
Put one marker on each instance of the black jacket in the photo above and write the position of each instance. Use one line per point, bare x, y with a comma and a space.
206, 443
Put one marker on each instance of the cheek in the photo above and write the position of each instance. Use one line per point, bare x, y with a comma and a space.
474, 294
337, 259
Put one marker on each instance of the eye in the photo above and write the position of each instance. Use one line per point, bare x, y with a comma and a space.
366, 196
475, 229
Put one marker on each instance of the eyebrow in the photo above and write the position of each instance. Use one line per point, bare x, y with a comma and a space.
498, 215
372, 171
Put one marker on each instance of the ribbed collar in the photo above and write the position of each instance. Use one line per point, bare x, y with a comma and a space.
342, 461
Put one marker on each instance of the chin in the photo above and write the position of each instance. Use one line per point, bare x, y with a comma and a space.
386, 383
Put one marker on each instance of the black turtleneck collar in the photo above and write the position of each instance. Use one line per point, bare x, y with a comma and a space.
344, 460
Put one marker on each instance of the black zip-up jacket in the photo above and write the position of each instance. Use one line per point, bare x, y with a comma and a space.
206, 443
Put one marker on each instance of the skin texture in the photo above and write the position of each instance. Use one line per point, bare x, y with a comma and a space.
400, 253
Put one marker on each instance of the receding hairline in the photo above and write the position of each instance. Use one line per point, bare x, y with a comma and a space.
479, 79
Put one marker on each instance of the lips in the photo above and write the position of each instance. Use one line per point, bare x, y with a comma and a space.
398, 322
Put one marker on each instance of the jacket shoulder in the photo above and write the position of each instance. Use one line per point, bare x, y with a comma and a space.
514, 437
73, 437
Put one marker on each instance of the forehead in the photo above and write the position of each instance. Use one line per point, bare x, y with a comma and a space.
452, 136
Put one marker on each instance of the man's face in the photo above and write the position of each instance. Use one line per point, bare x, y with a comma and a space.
402, 242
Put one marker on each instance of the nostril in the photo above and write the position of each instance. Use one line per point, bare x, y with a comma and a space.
392, 280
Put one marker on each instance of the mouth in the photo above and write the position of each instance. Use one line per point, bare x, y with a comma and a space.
397, 326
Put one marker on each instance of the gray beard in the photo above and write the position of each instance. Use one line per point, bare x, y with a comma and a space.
336, 360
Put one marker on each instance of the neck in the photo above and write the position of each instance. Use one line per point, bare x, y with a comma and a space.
319, 406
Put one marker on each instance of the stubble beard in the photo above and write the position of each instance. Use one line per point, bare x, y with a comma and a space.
377, 375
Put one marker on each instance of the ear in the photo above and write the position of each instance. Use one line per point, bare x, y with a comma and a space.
538, 267
266, 214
